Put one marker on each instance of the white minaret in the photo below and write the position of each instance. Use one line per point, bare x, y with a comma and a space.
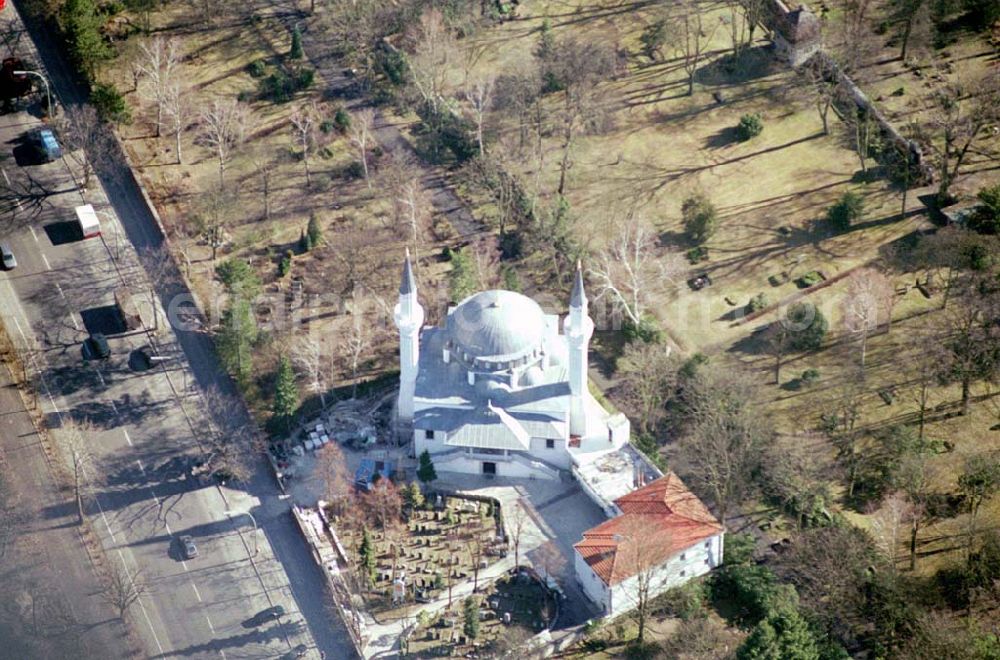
578, 329
409, 317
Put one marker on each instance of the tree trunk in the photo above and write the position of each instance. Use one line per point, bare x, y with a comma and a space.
907, 29
966, 386
177, 146
777, 369
914, 530
564, 165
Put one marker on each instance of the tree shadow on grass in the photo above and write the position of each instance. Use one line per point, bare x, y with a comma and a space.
723, 138
753, 64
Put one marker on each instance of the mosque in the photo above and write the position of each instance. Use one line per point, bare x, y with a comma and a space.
499, 390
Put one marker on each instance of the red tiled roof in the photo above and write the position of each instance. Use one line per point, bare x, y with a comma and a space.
657, 522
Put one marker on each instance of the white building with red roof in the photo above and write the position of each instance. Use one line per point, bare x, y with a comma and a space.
663, 537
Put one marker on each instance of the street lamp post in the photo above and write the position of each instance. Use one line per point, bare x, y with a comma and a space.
48, 92
252, 519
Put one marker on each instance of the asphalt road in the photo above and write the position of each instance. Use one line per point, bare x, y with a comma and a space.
147, 422
52, 605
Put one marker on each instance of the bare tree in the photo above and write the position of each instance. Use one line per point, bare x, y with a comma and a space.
82, 131
225, 125
888, 523
631, 271
649, 377
639, 556
916, 477
961, 117
362, 124
476, 546
478, 96
355, 343
264, 165
516, 523
232, 437
777, 341
434, 51
579, 66
305, 122
158, 64
867, 305
724, 447
360, 26
338, 480
688, 36
124, 587
161, 273
74, 435
842, 427
310, 355
215, 211
177, 110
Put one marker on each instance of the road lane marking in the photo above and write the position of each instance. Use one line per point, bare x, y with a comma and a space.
143, 608
127, 439
198, 596
48, 266
19, 330
97, 501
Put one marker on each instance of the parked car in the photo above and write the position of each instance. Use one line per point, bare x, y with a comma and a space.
7, 255
43, 141
188, 547
96, 347
262, 617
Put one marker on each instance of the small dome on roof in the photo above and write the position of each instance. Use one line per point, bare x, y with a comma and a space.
496, 328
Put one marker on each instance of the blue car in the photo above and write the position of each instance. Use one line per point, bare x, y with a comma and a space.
45, 145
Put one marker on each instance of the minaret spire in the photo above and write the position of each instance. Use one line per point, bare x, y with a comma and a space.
578, 329
409, 317
578, 298
407, 284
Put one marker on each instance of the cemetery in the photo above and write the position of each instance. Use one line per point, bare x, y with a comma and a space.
435, 545
513, 609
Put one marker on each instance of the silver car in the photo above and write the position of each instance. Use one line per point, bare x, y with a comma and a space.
188, 547
7, 255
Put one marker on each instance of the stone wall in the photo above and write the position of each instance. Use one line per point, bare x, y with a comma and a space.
796, 35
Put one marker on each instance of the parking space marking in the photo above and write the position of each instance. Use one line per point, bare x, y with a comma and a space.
141, 469
48, 266
211, 627
101, 378
59, 289
73, 319
30, 228
127, 439
197, 595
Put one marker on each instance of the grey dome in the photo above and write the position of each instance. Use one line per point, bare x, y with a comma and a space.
497, 327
